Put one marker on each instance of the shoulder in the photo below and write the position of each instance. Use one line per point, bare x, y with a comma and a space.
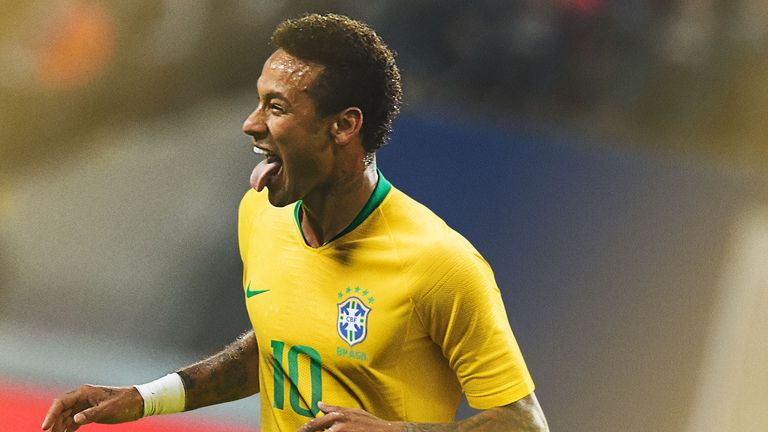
432, 245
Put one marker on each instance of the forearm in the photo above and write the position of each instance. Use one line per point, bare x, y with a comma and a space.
228, 375
524, 415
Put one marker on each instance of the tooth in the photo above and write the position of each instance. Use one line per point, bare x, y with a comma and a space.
259, 151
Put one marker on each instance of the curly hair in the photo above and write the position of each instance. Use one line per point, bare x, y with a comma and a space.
359, 70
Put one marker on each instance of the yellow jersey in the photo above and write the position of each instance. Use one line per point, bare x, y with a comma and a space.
398, 315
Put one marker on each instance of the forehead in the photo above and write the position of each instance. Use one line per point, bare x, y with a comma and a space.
285, 73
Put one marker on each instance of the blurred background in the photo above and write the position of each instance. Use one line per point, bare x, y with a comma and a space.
608, 158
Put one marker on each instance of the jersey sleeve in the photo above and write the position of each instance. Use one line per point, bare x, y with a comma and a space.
464, 314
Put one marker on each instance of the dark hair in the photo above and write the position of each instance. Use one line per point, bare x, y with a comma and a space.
359, 70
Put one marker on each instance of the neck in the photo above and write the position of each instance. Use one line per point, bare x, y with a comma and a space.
327, 213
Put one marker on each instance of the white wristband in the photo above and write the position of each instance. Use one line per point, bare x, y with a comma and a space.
165, 395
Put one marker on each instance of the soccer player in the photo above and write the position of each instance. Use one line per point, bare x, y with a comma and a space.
369, 313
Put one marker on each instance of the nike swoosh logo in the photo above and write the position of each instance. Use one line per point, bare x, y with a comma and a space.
249, 293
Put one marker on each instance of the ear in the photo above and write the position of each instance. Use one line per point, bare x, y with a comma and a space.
346, 126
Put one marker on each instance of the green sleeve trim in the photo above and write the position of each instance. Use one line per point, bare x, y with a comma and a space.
383, 186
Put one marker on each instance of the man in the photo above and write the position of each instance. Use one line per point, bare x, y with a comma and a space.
358, 295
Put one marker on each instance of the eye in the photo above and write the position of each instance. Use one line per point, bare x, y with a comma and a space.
276, 107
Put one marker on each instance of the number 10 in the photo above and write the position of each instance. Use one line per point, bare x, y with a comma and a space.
316, 377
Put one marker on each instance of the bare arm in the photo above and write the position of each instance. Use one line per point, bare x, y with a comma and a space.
228, 375
524, 415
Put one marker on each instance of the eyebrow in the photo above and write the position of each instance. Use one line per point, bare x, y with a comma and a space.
276, 95
270, 94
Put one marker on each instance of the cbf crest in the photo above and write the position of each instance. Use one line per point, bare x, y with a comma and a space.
352, 322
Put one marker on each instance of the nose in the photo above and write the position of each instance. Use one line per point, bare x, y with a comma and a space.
255, 126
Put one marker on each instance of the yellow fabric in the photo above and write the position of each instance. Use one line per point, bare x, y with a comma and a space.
436, 324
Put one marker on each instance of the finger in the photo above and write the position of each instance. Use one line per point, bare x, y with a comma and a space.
326, 408
66, 422
53, 413
89, 416
321, 423
69, 425
58, 422
60, 425
59, 407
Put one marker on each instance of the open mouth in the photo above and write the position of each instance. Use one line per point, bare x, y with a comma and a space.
268, 156
266, 169
265, 153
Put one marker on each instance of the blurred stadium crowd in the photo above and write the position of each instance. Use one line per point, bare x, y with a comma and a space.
676, 75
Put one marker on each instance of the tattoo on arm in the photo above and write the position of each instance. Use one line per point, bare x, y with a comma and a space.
228, 375
524, 415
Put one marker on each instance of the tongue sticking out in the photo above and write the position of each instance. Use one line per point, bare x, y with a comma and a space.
262, 172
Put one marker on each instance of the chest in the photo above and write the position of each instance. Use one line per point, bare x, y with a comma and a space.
351, 305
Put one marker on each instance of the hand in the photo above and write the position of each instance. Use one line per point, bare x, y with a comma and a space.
339, 419
93, 404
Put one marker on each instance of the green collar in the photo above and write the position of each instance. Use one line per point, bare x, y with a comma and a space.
383, 187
